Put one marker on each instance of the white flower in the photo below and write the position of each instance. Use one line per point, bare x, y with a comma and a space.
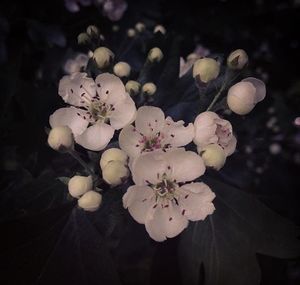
100, 107
161, 200
77, 64
153, 131
155, 55
210, 128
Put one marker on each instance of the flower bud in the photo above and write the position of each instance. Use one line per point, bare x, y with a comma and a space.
103, 57
159, 28
83, 38
113, 154
244, 95
140, 27
206, 68
92, 31
131, 33
122, 69
132, 87
213, 156
61, 138
115, 172
78, 185
149, 88
90, 201
237, 59
155, 55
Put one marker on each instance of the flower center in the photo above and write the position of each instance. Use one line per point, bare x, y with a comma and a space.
153, 143
100, 111
165, 189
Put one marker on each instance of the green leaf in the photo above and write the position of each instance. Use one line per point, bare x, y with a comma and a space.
226, 243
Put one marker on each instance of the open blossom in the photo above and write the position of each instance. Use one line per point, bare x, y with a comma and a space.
161, 198
211, 129
99, 108
152, 131
77, 64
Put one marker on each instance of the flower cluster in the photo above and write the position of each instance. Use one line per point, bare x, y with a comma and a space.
167, 191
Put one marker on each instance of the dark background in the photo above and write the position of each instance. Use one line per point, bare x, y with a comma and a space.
36, 38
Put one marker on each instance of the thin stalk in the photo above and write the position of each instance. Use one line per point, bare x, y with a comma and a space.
76, 156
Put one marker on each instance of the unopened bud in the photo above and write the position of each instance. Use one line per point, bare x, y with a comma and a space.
237, 59
155, 55
90, 201
113, 154
213, 156
243, 96
115, 172
103, 57
61, 138
122, 69
132, 87
149, 88
206, 68
131, 33
140, 27
159, 28
92, 31
78, 185
83, 38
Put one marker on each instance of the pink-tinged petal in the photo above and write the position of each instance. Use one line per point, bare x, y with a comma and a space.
149, 168
195, 201
205, 128
138, 200
177, 134
166, 221
124, 113
110, 88
184, 165
71, 117
129, 141
149, 120
96, 137
231, 146
77, 89
260, 87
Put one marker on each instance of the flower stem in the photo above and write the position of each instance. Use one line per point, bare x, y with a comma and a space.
76, 156
216, 96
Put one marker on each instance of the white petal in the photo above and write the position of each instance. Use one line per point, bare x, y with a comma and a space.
129, 141
148, 168
110, 88
260, 87
71, 117
138, 200
231, 146
184, 165
195, 201
124, 113
96, 137
177, 134
77, 89
205, 128
149, 120
165, 222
